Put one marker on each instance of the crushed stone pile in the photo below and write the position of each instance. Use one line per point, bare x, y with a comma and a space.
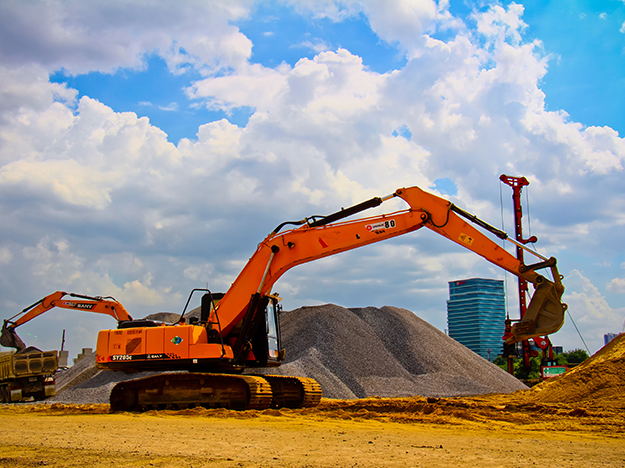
352, 353
385, 352
598, 380
85, 383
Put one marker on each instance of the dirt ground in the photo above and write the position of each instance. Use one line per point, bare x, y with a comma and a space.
488, 431
574, 420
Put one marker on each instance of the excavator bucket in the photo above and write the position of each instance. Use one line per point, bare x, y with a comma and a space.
544, 315
9, 339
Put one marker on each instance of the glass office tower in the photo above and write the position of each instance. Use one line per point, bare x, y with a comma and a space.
476, 314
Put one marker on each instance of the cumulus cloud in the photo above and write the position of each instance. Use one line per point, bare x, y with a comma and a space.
105, 36
404, 23
591, 312
617, 286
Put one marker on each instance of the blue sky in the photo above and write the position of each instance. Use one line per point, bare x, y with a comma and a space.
582, 38
587, 73
143, 155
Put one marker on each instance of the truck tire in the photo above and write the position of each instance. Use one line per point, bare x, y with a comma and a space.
4, 394
38, 396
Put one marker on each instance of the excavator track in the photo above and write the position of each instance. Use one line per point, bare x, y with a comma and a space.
293, 392
188, 390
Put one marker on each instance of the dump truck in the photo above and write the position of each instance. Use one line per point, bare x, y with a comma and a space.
27, 374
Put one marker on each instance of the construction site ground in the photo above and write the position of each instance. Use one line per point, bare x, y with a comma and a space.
487, 431
576, 419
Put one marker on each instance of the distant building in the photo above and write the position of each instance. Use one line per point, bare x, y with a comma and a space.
609, 337
557, 350
476, 314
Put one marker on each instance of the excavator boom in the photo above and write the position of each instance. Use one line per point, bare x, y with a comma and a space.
280, 252
96, 304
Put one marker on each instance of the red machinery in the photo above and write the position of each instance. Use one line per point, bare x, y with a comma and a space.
517, 184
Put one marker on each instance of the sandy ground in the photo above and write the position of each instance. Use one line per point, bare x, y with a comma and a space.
490, 431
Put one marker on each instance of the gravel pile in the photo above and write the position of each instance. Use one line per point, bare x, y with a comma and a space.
84, 383
352, 353
386, 352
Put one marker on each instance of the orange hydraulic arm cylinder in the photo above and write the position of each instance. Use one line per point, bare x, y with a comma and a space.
281, 251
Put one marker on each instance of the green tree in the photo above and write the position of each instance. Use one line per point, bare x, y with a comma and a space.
573, 357
501, 362
577, 356
533, 373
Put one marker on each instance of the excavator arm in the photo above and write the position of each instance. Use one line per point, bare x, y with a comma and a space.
101, 305
324, 236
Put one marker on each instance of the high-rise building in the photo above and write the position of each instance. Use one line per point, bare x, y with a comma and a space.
609, 337
476, 314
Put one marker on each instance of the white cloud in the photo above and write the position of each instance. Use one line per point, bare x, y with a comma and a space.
590, 311
316, 45
499, 24
61, 268
67, 179
400, 22
105, 36
253, 86
5, 256
617, 286
171, 107
78, 158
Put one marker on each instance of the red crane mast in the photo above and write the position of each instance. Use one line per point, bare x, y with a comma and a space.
517, 184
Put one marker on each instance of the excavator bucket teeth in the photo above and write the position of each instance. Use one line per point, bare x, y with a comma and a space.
9, 339
544, 315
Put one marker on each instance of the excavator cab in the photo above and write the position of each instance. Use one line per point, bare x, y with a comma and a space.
256, 341
262, 348
266, 342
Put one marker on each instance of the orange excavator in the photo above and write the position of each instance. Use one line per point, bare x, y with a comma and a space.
240, 330
97, 304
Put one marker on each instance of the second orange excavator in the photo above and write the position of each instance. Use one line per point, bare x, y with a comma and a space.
240, 330
97, 304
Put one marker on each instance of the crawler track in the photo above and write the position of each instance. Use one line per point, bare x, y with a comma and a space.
240, 392
293, 392
185, 390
